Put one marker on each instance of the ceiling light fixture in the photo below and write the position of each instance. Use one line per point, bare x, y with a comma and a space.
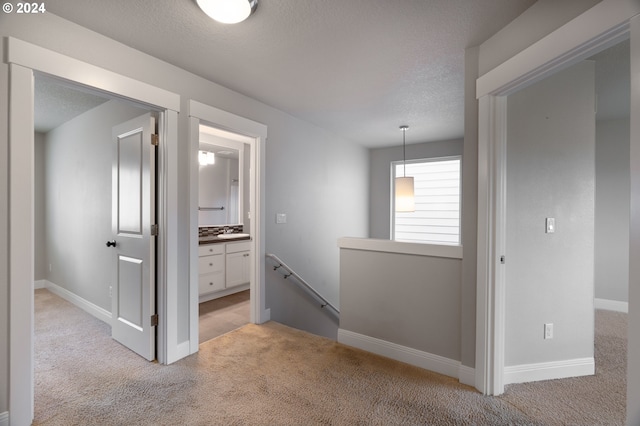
228, 11
205, 158
405, 199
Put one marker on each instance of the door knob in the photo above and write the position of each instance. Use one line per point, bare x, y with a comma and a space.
111, 243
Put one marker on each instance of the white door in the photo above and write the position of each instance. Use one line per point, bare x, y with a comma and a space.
133, 216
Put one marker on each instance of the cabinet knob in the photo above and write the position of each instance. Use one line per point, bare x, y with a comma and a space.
210, 264
210, 283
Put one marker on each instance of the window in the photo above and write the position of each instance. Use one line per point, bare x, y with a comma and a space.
436, 219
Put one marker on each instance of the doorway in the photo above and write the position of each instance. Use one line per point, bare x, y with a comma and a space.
224, 222
24, 61
251, 250
546, 56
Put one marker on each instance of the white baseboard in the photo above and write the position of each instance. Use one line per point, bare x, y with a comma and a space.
85, 305
549, 370
401, 353
467, 375
612, 305
4, 419
38, 284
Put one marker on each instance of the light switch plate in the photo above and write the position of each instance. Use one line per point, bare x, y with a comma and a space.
281, 218
550, 225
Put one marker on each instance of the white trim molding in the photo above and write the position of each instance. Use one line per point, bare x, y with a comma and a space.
549, 370
415, 357
390, 246
467, 375
612, 305
254, 134
90, 308
39, 58
38, 284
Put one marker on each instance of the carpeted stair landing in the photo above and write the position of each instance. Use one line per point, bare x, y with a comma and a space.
257, 375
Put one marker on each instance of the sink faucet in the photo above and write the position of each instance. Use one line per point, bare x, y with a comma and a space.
227, 230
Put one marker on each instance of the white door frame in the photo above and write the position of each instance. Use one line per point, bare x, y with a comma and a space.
24, 59
255, 135
604, 25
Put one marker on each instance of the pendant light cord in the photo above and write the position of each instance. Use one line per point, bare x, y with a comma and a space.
404, 150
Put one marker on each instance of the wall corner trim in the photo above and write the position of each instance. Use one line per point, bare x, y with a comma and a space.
93, 309
4, 419
401, 353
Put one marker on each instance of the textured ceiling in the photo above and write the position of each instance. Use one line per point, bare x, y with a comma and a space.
56, 103
358, 68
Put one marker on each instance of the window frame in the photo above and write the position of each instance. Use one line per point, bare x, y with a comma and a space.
392, 165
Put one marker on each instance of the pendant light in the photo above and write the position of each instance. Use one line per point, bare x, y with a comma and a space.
405, 200
228, 11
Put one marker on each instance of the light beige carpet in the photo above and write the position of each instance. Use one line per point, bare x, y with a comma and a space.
256, 375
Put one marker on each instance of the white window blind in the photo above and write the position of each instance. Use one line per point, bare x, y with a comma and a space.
436, 219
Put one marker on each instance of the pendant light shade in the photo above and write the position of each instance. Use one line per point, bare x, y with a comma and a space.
228, 11
405, 198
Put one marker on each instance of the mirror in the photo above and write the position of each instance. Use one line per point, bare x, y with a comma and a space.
221, 180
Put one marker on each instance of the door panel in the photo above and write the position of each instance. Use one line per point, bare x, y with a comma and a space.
133, 203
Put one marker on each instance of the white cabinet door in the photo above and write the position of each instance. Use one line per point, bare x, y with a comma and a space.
211, 273
237, 268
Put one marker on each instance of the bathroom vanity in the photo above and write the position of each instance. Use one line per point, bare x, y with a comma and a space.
223, 265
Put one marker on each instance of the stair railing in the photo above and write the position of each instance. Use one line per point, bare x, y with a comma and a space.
302, 284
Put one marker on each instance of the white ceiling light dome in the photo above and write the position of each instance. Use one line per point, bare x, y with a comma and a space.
228, 11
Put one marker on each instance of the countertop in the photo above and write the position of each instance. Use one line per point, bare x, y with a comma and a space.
214, 239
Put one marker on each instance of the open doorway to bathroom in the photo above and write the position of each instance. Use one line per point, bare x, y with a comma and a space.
224, 250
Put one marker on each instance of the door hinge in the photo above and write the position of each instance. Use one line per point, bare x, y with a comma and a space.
154, 320
154, 139
154, 230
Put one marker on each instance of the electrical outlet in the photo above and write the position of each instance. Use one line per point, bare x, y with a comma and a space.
550, 224
548, 331
110, 291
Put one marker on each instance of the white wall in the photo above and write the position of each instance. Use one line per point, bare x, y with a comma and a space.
612, 210
551, 173
469, 218
409, 300
78, 179
380, 181
321, 184
40, 249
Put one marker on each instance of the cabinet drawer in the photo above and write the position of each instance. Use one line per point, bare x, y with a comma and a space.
208, 264
236, 247
210, 282
209, 249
